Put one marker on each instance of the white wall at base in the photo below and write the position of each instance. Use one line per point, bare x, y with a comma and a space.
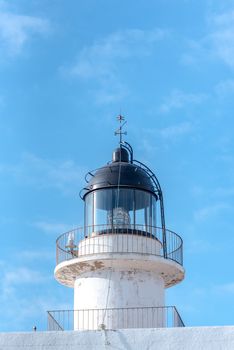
114, 288
194, 338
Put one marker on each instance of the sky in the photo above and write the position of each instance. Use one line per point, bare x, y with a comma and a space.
67, 69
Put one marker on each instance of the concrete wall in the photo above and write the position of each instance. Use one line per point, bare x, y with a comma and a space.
196, 338
120, 289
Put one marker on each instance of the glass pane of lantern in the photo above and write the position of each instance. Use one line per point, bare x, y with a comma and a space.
102, 206
89, 214
122, 214
142, 213
154, 215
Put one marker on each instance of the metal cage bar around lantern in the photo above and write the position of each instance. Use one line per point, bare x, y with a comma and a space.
155, 189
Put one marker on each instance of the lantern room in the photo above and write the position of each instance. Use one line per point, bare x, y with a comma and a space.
122, 196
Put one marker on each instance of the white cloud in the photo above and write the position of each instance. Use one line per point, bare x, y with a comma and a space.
14, 277
15, 30
49, 227
218, 43
148, 146
21, 275
217, 192
225, 88
225, 19
2, 100
45, 173
3, 4
225, 288
210, 211
208, 290
170, 133
25, 296
197, 191
28, 303
224, 191
199, 246
100, 62
114, 93
178, 99
97, 60
30, 310
32, 255
175, 131
225, 158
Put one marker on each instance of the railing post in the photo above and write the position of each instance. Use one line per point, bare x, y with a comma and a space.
138, 317
172, 244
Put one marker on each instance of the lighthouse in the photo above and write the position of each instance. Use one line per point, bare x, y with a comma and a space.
123, 258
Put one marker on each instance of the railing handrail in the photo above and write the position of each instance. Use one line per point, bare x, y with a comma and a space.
174, 241
178, 315
166, 316
119, 308
54, 320
109, 225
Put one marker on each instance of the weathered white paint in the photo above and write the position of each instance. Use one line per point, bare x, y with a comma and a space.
67, 271
195, 338
117, 271
114, 288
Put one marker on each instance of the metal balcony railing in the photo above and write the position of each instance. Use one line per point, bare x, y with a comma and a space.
100, 239
115, 318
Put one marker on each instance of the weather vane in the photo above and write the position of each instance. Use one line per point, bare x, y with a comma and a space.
120, 131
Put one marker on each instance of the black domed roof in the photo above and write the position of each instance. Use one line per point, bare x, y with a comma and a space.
120, 173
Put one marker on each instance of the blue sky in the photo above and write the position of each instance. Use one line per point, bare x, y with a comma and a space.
67, 68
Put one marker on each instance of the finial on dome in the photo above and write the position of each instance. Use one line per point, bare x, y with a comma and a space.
120, 131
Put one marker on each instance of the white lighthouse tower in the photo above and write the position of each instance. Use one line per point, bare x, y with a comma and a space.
123, 259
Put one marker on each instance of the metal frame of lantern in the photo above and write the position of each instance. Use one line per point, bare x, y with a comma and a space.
156, 189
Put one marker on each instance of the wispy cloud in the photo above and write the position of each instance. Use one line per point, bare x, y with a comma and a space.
217, 192
225, 88
30, 310
218, 43
33, 255
172, 133
45, 173
224, 191
175, 131
222, 37
197, 191
16, 30
178, 99
209, 211
201, 246
29, 292
225, 288
97, 60
101, 60
23, 275
49, 227
114, 93
2, 100
13, 277
20, 290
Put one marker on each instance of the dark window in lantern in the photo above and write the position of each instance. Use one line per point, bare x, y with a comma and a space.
119, 208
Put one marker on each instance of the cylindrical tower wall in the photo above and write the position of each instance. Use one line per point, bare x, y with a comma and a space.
114, 289
117, 288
